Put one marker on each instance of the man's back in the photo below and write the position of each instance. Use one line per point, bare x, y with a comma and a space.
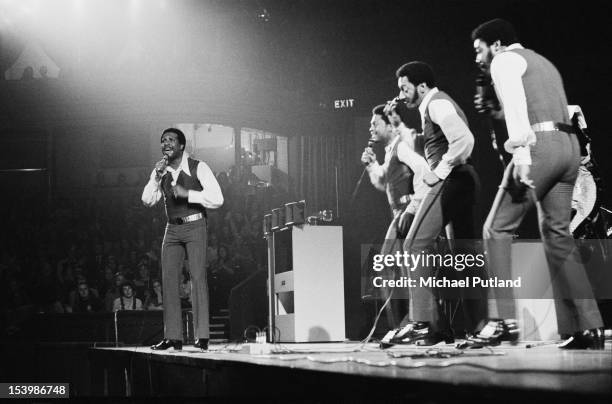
546, 99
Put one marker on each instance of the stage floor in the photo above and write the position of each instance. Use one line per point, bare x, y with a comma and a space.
541, 369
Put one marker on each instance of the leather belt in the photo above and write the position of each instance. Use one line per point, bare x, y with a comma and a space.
550, 126
186, 219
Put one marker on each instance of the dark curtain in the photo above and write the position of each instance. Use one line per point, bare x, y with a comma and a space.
323, 173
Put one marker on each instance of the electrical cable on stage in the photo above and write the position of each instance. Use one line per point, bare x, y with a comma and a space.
367, 339
440, 365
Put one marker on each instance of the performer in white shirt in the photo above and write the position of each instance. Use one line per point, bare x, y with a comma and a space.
451, 191
189, 187
543, 170
401, 177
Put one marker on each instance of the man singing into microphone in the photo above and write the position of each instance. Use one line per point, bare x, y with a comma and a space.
188, 187
401, 177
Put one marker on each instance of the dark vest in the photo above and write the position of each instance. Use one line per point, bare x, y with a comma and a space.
398, 180
546, 100
436, 144
180, 207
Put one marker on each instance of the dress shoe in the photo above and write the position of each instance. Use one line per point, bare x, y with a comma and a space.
422, 334
434, 338
168, 343
408, 332
493, 333
201, 343
589, 339
401, 335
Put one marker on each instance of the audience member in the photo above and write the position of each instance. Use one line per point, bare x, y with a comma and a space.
85, 300
127, 300
154, 298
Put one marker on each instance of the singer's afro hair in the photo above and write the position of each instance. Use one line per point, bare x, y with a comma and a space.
495, 30
380, 110
417, 73
179, 133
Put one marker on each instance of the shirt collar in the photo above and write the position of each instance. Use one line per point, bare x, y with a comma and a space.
425, 102
184, 166
515, 45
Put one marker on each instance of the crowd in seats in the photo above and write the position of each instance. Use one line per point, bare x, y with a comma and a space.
74, 255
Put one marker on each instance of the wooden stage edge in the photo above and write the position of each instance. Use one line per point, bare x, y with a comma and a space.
355, 370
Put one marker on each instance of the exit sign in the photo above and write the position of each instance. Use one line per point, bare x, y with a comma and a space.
348, 103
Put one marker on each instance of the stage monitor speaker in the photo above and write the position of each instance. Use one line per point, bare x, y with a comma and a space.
309, 284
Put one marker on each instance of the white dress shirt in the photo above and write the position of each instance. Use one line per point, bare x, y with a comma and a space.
507, 69
460, 139
210, 196
414, 161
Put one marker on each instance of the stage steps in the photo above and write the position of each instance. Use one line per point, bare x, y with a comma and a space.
219, 326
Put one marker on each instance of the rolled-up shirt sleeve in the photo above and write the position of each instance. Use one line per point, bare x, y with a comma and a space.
507, 71
210, 196
460, 138
419, 167
152, 191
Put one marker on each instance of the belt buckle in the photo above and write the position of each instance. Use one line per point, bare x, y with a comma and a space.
179, 220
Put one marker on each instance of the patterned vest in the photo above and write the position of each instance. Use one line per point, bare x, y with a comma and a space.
435, 141
180, 207
398, 179
546, 100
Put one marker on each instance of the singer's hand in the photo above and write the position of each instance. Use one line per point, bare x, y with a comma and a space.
160, 167
520, 173
390, 106
180, 192
368, 157
484, 106
480, 105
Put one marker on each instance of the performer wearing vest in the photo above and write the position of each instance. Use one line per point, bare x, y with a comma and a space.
189, 187
452, 185
401, 177
543, 170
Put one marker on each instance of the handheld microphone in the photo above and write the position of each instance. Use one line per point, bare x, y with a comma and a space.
371, 142
160, 172
485, 90
481, 83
